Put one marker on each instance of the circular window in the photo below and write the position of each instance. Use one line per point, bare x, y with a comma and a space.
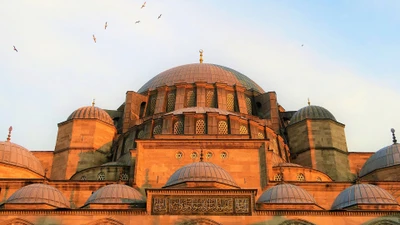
101, 176
179, 155
224, 155
124, 176
278, 177
209, 155
193, 155
83, 178
300, 177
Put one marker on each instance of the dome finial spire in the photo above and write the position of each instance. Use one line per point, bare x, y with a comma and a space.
309, 101
394, 136
201, 55
9, 133
93, 102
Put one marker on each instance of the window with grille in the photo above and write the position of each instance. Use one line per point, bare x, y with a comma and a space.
171, 102
222, 127
193, 155
152, 105
224, 155
278, 177
200, 127
319, 179
300, 177
124, 176
209, 155
101, 176
211, 99
179, 155
230, 102
243, 129
140, 134
260, 135
249, 106
157, 129
178, 127
190, 98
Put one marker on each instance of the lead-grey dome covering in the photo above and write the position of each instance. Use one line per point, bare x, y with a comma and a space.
286, 193
385, 157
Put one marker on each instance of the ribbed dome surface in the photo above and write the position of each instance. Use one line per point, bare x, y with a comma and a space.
311, 112
17, 155
39, 193
362, 194
116, 193
286, 193
385, 157
200, 72
91, 112
201, 171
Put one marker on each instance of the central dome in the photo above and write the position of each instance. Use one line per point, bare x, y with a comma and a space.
200, 72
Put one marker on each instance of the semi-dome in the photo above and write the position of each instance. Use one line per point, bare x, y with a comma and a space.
91, 112
385, 157
201, 172
116, 193
286, 193
311, 112
363, 194
16, 155
39, 194
200, 72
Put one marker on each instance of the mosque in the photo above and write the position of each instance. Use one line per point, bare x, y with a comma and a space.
200, 144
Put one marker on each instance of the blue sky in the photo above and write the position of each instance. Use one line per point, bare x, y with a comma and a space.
348, 64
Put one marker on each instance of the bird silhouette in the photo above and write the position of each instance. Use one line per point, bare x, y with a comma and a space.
137, 22
94, 38
144, 5
105, 26
302, 45
159, 16
15, 49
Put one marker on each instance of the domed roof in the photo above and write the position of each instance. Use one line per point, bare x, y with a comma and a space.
91, 112
116, 193
200, 72
39, 193
201, 171
385, 157
286, 193
362, 194
16, 155
311, 112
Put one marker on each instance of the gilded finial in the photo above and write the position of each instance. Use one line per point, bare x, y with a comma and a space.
9, 133
201, 55
309, 101
93, 102
201, 155
394, 136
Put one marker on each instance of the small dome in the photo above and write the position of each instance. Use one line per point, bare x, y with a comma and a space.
201, 171
116, 193
39, 193
286, 193
200, 72
311, 112
91, 112
362, 194
385, 157
16, 155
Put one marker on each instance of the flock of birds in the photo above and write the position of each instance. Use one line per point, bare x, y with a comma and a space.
105, 26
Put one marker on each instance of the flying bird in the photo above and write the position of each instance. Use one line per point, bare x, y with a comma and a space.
302, 45
137, 22
15, 49
159, 16
105, 26
94, 38
144, 5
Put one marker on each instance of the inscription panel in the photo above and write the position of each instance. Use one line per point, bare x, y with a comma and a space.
201, 205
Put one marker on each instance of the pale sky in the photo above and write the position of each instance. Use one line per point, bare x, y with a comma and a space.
348, 64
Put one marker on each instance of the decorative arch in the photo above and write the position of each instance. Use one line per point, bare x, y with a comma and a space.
17, 221
296, 222
105, 221
199, 221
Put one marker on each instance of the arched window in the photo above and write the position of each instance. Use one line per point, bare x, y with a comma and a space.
249, 106
200, 127
190, 99
260, 135
211, 99
222, 127
243, 129
101, 176
171, 102
230, 102
140, 134
142, 107
300, 177
157, 129
178, 127
278, 177
152, 105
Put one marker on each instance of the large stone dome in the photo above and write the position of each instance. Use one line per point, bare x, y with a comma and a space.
200, 72
201, 172
385, 157
286, 193
116, 193
311, 112
363, 194
91, 112
16, 155
40, 194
